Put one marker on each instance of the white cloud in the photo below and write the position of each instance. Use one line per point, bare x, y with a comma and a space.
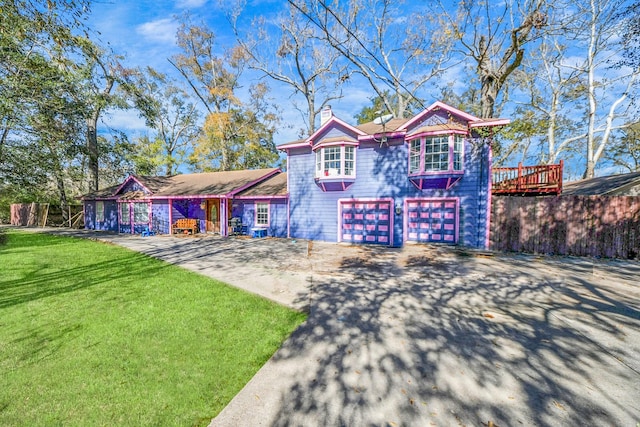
160, 30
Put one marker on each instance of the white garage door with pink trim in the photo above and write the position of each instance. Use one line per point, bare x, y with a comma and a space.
431, 220
366, 221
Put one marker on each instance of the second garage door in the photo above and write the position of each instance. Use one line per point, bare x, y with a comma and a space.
432, 220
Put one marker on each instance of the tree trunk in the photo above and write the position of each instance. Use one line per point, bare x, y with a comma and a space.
92, 150
488, 94
62, 192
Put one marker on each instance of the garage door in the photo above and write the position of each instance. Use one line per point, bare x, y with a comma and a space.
432, 220
366, 222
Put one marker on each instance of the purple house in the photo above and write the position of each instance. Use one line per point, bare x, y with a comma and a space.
423, 179
215, 202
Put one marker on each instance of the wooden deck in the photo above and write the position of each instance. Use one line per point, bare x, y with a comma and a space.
528, 180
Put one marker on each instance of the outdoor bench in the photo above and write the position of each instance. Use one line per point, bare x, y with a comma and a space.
186, 225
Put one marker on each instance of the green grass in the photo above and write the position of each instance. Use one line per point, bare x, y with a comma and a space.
94, 334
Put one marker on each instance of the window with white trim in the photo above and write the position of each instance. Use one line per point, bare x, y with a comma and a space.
140, 213
99, 211
125, 213
336, 161
262, 214
439, 153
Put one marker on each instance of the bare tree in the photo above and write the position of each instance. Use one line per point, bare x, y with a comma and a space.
289, 50
494, 35
396, 59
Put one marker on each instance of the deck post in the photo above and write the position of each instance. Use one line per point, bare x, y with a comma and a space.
519, 180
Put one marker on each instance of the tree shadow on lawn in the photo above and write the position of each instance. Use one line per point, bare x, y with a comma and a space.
447, 339
38, 284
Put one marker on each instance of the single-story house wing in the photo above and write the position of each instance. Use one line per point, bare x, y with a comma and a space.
210, 201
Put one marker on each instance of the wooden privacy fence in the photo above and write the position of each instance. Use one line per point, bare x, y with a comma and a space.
41, 214
598, 226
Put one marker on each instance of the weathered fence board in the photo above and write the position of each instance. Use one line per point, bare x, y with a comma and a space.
598, 226
41, 214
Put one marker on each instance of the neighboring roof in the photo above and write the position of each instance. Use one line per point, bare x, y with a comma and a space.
602, 185
226, 183
274, 186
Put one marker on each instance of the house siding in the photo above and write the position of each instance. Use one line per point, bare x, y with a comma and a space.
110, 220
160, 216
246, 210
382, 173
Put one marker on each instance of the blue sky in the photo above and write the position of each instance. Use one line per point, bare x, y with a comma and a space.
144, 31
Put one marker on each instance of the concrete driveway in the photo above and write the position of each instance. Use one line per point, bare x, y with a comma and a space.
430, 335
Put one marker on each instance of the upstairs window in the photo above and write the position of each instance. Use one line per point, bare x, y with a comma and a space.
433, 154
335, 162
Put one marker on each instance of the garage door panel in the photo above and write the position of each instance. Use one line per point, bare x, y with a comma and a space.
432, 221
366, 222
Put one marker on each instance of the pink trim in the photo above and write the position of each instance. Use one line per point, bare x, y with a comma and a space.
244, 187
288, 203
170, 200
131, 177
329, 123
489, 123
434, 107
261, 197
333, 144
294, 145
224, 220
437, 132
487, 241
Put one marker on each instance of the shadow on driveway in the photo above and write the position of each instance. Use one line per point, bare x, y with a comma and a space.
431, 335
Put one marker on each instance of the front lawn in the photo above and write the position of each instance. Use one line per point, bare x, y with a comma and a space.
94, 334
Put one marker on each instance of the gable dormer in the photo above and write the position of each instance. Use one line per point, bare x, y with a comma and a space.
132, 188
334, 146
436, 139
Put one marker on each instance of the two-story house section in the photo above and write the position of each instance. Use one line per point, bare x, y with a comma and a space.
422, 179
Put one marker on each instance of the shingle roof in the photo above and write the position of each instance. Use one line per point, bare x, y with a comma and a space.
372, 128
274, 186
211, 183
601, 185
196, 184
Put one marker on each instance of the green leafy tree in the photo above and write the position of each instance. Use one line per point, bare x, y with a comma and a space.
167, 109
235, 135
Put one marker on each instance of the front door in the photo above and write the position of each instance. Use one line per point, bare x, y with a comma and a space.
213, 216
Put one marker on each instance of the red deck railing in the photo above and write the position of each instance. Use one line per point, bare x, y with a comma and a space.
541, 179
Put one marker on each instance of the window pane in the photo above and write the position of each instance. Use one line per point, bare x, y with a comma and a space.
124, 213
319, 162
140, 213
99, 211
349, 157
458, 144
332, 161
262, 214
414, 156
438, 158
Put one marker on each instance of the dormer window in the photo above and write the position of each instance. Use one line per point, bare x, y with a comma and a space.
336, 161
434, 154
436, 161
